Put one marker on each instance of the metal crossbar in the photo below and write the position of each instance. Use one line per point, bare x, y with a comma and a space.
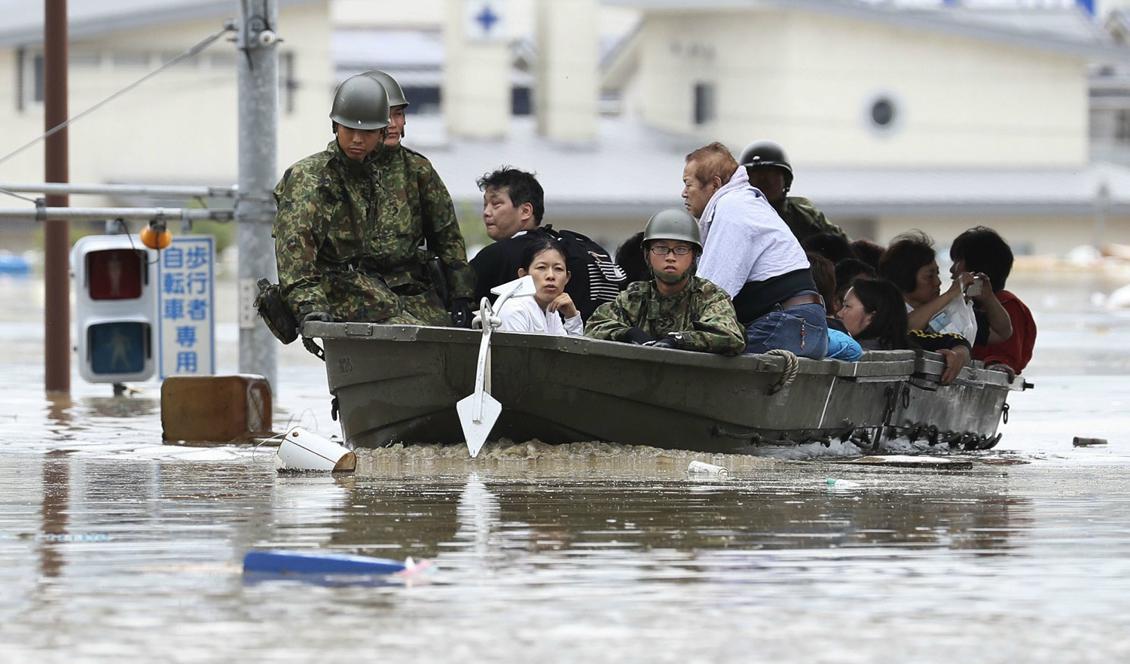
94, 214
188, 191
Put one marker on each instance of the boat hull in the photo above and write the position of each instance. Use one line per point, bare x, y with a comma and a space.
399, 384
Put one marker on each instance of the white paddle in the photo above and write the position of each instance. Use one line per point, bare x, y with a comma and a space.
479, 411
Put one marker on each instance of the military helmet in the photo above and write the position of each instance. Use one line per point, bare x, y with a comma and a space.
395, 92
360, 103
672, 224
767, 153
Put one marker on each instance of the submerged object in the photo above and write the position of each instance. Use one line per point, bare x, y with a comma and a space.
302, 450
317, 562
399, 384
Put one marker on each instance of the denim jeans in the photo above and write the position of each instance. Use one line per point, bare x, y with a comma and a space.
802, 329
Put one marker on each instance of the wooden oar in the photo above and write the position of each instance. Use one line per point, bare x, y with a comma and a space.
479, 411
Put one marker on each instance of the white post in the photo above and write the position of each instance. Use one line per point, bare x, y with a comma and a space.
476, 76
566, 94
257, 57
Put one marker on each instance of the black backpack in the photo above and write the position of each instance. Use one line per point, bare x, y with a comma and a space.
594, 277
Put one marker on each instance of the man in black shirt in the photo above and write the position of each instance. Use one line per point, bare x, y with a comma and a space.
513, 206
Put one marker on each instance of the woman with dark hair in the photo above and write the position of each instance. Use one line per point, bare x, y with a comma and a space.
875, 314
911, 264
846, 272
982, 250
550, 310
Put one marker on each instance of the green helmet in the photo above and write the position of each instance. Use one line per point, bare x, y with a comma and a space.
767, 153
360, 103
672, 224
395, 92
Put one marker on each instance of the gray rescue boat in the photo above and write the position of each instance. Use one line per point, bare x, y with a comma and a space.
399, 384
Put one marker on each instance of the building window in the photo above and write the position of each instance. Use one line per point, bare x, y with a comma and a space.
1122, 126
423, 99
703, 103
288, 85
30, 79
883, 112
521, 101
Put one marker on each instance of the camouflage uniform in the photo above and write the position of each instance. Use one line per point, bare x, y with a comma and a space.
702, 312
804, 220
348, 244
411, 180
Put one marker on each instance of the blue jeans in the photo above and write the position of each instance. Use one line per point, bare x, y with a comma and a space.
802, 329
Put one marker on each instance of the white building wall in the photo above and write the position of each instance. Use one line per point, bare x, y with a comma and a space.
566, 92
808, 81
180, 126
961, 101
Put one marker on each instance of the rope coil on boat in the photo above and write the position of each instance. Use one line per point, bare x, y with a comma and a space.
788, 374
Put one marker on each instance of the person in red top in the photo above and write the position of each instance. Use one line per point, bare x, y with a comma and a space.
983, 250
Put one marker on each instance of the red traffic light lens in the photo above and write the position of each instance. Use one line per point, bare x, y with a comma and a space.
115, 274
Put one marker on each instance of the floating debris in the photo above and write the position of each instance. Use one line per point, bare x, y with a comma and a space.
905, 461
1087, 442
303, 450
317, 562
703, 468
842, 484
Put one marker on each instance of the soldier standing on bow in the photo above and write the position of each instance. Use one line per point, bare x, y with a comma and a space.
346, 240
771, 173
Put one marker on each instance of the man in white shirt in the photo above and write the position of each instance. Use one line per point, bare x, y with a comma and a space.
751, 254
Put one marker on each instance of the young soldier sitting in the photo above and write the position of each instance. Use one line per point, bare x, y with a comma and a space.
674, 309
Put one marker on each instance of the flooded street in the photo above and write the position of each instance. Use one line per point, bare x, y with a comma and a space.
114, 547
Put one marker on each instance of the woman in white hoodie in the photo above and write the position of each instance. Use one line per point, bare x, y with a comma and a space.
550, 310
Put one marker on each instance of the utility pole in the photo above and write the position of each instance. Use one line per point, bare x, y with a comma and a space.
57, 234
258, 91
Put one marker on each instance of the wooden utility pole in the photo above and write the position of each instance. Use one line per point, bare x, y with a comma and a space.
57, 236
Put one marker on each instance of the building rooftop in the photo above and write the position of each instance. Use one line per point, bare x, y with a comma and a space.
632, 171
23, 19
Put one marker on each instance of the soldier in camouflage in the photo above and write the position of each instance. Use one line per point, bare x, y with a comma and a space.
409, 176
346, 242
770, 171
675, 309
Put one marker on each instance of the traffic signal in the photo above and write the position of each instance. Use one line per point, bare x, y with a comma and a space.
115, 308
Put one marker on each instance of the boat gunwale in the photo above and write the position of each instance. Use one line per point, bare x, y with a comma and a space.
873, 364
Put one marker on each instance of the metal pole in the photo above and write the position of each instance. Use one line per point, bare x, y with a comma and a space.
98, 213
255, 206
57, 235
185, 191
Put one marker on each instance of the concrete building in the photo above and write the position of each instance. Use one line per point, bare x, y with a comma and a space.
932, 116
180, 126
896, 114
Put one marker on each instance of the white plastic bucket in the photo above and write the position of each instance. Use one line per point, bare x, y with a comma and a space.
302, 450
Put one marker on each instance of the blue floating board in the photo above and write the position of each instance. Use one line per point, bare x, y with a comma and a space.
312, 562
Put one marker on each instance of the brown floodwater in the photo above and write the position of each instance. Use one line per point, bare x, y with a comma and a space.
114, 547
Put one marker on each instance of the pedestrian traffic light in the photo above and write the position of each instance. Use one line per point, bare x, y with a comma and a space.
115, 308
